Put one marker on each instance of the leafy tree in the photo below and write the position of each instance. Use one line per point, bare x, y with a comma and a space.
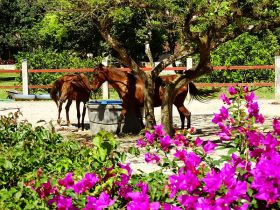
17, 17
197, 26
247, 49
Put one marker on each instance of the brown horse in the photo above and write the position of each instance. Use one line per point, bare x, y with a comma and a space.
71, 87
131, 91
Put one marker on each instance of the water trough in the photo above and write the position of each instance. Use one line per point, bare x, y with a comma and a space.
104, 114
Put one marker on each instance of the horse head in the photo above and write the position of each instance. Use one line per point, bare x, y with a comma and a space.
99, 77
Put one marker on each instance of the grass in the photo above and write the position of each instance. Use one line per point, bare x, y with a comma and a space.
7, 79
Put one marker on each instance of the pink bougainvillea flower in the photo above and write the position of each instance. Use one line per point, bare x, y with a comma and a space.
124, 190
225, 133
150, 137
104, 201
191, 160
236, 191
150, 158
188, 201
39, 172
212, 181
167, 206
45, 190
90, 180
254, 138
86, 183
79, 187
276, 126
223, 115
253, 109
256, 153
141, 143
267, 178
180, 139
198, 142
270, 142
246, 89
165, 142
260, 119
143, 186
237, 162
140, 201
64, 203
125, 177
209, 147
126, 167
187, 181
250, 97
225, 136
192, 130
67, 182
232, 90
225, 99
181, 154
159, 130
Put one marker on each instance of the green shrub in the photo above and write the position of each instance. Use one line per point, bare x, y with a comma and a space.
24, 150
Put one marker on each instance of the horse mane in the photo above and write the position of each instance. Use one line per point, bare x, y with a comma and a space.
81, 82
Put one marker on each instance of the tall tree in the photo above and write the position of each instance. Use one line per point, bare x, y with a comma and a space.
199, 27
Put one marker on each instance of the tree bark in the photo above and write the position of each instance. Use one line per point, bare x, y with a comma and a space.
166, 109
149, 92
202, 68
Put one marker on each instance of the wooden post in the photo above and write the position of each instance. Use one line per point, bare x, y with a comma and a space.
105, 85
189, 63
24, 71
277, 77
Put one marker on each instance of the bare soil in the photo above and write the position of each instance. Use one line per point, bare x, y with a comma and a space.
45, 112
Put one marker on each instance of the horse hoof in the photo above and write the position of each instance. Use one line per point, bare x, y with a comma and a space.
59, 121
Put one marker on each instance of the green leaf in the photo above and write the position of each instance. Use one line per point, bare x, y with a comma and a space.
8, 164
232, 150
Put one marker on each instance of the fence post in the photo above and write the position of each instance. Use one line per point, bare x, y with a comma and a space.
105, 85
24, 78
189, 63
277, 77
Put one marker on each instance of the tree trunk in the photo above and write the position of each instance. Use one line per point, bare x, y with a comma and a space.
166, 110
149, 102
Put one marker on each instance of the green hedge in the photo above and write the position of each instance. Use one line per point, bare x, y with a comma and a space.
50, 59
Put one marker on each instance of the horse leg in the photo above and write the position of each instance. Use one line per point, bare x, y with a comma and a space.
83, 116
184, 113
140, 117
59, 111
122, 116
78, 112
67, 107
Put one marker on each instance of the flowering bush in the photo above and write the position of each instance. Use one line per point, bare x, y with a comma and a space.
245, 177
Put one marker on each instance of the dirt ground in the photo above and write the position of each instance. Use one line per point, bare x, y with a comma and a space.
45, 112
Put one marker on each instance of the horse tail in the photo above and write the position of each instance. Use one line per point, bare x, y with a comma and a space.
201, 95
55, 90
